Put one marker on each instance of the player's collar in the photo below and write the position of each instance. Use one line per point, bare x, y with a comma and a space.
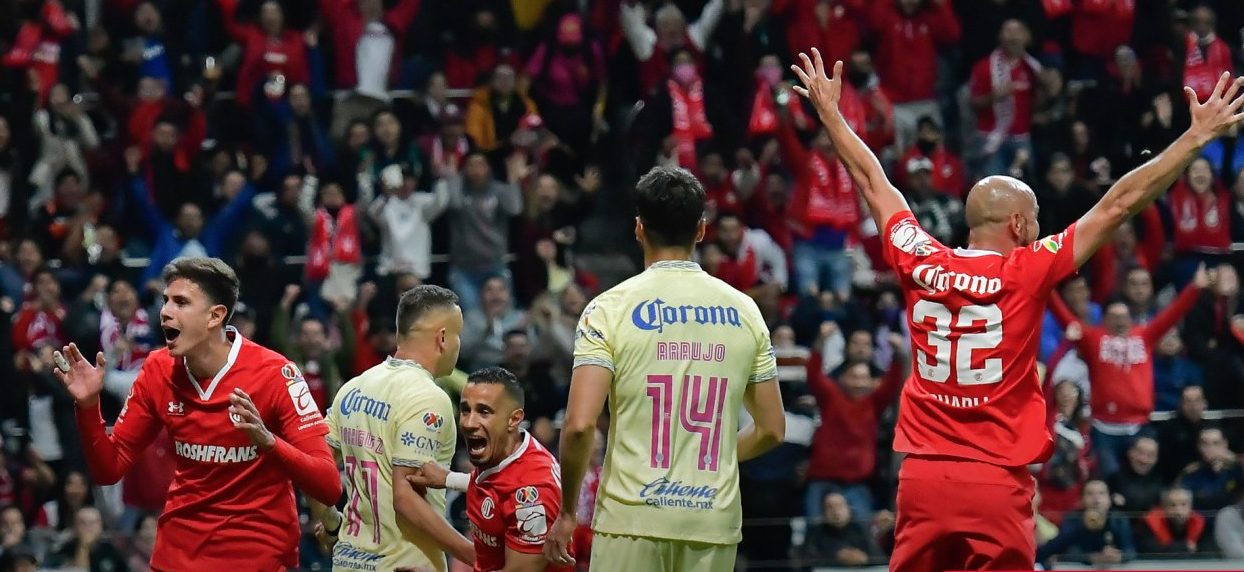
674, 265
518, 452
975, 252
234, 349
397, 362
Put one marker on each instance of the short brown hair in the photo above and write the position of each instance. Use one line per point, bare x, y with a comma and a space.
212, 275
418, 301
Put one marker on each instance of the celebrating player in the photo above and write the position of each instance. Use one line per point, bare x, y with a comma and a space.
516, 485
971, 417
386, 422
676, 351
230, 506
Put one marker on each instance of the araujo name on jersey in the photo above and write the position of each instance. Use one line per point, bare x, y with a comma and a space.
356, 402
652, 315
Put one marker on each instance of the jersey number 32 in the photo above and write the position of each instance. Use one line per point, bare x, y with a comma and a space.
957, 354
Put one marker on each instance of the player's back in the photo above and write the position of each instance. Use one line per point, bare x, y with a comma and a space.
975, 319
392, 414
682, 346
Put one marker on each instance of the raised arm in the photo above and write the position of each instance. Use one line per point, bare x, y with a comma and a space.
1137, 189
883, 199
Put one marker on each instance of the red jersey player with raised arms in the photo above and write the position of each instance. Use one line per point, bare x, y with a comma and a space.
972, 414
242, 420
516, 487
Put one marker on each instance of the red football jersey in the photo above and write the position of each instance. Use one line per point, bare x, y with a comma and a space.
975, 319
228, 505
513, 504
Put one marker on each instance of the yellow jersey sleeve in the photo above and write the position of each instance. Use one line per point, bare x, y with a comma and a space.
423, 430
334, 429
765, 366
594, 343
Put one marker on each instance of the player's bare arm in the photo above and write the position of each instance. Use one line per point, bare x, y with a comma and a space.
1135, 190
763, 401
589, 387
412, 507
824, 91
516, 561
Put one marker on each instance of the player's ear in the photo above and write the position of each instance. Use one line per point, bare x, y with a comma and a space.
639, 230
700, 229
217, 317
516, 418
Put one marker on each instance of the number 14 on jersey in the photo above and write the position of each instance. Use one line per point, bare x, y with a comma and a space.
700, 420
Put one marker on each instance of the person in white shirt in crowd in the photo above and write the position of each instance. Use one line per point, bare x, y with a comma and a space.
405, 218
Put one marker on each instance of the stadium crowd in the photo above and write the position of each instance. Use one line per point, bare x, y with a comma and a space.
339, 152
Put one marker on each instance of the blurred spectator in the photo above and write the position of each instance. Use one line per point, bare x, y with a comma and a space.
368, 43
280, 216
88, 548
1097, 28
1116, 262
552, 215
1206, 55
495, 110
1137, 486
1213, 479
66, 135
1003, 88
1062, 476
191, 235
273, 56
1063, 199
479, 225
447, 145
878, 110
141, 545
388, 147
53, 220
13, 185
1200, 207
909, 34
1178, 437
654, 47
478, 49
58, 513
1229, 528
484, 328
843, 455
291, 135
126, 336
938, 213
1098, 536
948, 174
38, 324
842, 539
310, 348
682, 116
555, 321
1119, 365
1174, 530
1211, 342
405, 218
751, 262
1172, 372
832, 26
569, 82
543, 400
35, 48
13, 533
335, 251
149, 52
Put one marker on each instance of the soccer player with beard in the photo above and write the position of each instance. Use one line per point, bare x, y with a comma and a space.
972, 415
384, 424
242, 421
516, 485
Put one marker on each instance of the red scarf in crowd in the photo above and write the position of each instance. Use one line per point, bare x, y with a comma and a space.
764, 120
328, 246
831, 194
1200, 221
690, 121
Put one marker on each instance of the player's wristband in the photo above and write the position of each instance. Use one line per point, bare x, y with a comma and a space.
457, 481
340, 520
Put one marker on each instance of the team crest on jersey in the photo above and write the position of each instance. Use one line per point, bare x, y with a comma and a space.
486, 508
908, 237
1052, 243
234, 417
433, 421
527, 496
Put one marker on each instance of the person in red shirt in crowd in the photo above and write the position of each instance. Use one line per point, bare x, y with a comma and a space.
948, 176
1206, 55
720, 197
844, 446
351, 22
1201, 208
516, 485
908, 35
749, 260
38, 323
771, 97
654, 47
36, 46
1098, 27
271, 54
478, 51
877, 109
231, 504
1112, 264
1119, 357
832, 25
972, 417
1003, 88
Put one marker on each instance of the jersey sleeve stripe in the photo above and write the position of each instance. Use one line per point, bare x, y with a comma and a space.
592, 360
411, 463
763, 376
332, 442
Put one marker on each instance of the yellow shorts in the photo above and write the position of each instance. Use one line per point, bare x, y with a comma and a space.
612, 553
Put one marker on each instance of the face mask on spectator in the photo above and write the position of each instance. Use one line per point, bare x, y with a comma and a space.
685, 73
770, 75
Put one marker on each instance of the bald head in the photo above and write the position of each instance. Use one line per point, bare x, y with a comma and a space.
1001, 206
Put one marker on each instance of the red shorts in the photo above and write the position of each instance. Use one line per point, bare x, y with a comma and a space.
955, 514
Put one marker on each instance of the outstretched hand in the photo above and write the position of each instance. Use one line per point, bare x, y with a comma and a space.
824, 91
1221, 111
83, 380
